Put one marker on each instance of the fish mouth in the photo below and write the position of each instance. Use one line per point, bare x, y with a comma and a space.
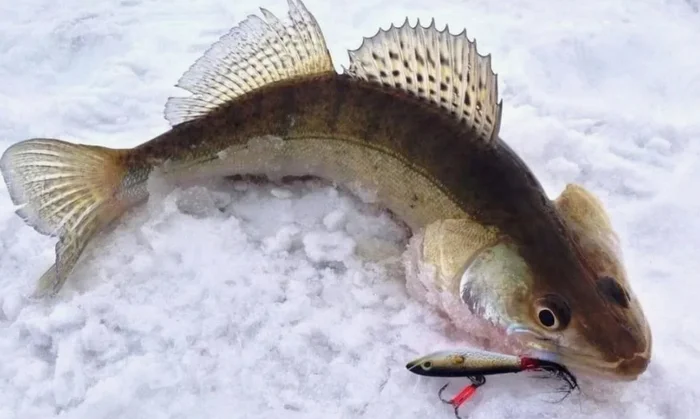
623, 369
593, 364
626, 369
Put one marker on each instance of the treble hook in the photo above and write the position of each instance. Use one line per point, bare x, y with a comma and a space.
464, 395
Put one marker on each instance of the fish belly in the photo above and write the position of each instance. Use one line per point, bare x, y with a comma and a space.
443, 238
374, 175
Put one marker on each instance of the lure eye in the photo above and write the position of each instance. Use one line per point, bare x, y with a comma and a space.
552, 312
427, 365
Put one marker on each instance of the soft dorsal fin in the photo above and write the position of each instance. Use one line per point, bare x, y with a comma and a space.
435, 65
254, 53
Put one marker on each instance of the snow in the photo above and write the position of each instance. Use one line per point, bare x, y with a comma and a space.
251, 300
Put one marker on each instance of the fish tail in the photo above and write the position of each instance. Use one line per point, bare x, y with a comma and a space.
70, 191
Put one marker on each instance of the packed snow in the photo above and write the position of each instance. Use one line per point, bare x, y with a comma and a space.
248, 299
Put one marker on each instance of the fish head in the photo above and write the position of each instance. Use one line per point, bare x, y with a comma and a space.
591, 321
608, 333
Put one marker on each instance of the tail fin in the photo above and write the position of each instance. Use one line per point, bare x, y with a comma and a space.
67, 190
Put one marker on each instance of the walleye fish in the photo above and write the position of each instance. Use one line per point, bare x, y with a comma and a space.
414, 118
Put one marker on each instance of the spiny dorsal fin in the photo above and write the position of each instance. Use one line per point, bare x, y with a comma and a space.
442, 68
254, 53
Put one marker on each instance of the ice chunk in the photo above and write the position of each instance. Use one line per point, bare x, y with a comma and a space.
659, 144
200, 202
328, 246
65, 316
283, 240
95, 337
69, 380
281, 193
335, 220
37, 332
12, 304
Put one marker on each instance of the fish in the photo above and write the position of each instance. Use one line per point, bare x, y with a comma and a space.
415, 121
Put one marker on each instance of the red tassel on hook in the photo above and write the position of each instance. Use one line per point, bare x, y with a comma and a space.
465, 394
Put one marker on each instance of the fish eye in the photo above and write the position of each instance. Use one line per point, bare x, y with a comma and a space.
427, 365
547, 318
552, 312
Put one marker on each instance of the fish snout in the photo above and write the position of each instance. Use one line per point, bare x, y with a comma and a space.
626, 354
633, 367
637, 355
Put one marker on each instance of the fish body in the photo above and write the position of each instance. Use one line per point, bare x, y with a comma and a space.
414, 120
418, 162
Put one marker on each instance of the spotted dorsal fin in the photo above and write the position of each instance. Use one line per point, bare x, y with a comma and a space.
437, 66
255, 53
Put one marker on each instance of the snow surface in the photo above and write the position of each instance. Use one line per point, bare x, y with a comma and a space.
248, 300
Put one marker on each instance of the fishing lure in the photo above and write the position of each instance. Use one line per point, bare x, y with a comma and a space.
476, 364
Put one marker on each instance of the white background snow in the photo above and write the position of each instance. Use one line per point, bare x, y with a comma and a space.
290, 302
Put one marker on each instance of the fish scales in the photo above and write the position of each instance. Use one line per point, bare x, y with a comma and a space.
336, 117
